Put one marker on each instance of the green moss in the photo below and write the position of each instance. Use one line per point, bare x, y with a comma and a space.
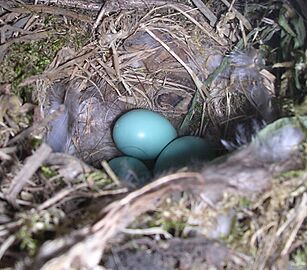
174, 227
240, 236
26, 59
48, 172
27, 243
98, 178
244, 202
299, 257
292, 174
26, 234
36, 228
35, 142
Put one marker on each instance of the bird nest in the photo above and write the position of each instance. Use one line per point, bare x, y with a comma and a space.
167, 59
71, 68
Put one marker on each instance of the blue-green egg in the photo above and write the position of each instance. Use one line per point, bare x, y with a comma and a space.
130, 170
183, 152
142, 133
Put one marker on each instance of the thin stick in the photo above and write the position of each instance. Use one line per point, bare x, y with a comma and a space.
29, 168
110, 172
102, 12
30, 9
6, 244
59, 196
221, 42
200, 86
238, 15
300, 219
206, 11
147, 231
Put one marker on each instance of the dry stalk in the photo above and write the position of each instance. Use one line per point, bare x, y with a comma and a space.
245, 22
200, 86
24, 175
60, 196
6, 245
110, 172
62, 71
99, 17
148, 231
206, 11
30, 9
300, 216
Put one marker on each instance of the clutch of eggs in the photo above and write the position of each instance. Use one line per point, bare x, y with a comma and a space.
146, 135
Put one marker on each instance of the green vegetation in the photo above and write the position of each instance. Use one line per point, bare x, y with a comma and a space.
26, 59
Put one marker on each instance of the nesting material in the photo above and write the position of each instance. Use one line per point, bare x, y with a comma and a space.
67, 214
162, 64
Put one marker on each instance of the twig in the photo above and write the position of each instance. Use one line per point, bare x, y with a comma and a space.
200, 86
29, 168
60, 195
80, 4
6, 244
151, 194
102, 12
206, 11
51, 10
244, 37
238, 15
302, 213
148, 231
213, 35
110, 172
4, 152
108, 192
